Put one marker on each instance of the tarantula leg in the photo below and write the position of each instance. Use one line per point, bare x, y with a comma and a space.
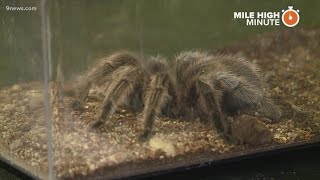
118, 95
200, 110
213, 100
107, 110
77, 103
104, 69
156, 98
219, 117
153, 106
270, 110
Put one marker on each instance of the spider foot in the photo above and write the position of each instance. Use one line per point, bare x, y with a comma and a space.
144, 137
229, 138
95, 126
76, 105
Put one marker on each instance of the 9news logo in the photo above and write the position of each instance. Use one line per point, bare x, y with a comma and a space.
290, 17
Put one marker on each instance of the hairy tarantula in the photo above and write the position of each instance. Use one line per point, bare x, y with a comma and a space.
192, 85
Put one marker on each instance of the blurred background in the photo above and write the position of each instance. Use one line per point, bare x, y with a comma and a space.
82, 31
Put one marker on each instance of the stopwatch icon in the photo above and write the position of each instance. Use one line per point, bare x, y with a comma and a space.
290, 17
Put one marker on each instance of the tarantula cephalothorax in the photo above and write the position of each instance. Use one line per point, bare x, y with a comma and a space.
192, 85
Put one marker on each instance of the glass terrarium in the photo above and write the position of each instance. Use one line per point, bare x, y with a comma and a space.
112, 89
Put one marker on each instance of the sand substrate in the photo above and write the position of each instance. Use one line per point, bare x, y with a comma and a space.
290, 61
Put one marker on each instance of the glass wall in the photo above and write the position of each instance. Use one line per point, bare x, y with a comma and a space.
23, 105
93, 89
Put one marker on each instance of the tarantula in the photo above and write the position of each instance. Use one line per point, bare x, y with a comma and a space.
192, 85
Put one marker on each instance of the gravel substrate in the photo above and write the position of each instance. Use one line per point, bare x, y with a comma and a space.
290, 60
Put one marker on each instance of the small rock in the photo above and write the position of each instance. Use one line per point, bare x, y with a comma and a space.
16, 144
16, 88
187, 148
71, 173
296, 108
44, 147
277, 90
92, 167
34, 163
8, 107
85, 147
